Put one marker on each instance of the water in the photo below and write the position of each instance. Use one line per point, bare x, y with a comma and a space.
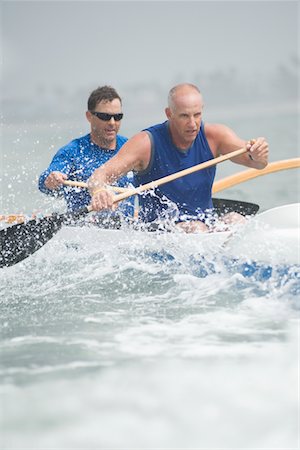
110, 345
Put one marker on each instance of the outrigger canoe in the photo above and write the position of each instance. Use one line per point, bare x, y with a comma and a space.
271, 237
278, 228
24, 239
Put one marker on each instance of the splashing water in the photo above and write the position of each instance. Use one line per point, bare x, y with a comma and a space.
113, 342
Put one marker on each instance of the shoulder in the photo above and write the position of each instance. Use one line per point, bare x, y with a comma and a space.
222, 138
160, 127
76, 149
78, 143
142, 138
139, 141
136, 151
216, 130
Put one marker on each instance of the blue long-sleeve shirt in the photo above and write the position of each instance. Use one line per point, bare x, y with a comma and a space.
78, 160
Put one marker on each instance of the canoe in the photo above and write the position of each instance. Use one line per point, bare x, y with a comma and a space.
271, 237
21, 240
176, 244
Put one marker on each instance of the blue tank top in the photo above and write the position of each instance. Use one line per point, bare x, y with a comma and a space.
182, 199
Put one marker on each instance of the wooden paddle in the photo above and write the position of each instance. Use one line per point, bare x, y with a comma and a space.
218, 186
20, 218
246, 175
174, 176
22, 240
82, 184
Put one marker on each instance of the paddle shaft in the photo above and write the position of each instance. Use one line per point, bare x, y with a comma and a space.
175, 176
82, 184
218, 186
126, 193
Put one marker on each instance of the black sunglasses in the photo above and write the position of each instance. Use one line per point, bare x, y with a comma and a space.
106, 117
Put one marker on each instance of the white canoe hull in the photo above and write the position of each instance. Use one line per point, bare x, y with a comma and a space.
271, 237
178, 245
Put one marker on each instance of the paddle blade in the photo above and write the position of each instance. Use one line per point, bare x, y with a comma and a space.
22, 240
224, 206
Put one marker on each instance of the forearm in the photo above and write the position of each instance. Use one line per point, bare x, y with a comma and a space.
248, 161
53, 177
133, 156
44, 189
258, 155
100, 178
257, 164
224, 140
109, 173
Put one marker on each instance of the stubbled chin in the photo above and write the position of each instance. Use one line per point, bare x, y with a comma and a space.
109, 139
110, 134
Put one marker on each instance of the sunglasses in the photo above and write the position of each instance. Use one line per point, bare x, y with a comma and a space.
106, 117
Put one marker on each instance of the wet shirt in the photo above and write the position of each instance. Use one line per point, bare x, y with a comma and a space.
78, 160
182, 199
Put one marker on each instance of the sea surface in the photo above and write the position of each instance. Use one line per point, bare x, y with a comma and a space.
116, 344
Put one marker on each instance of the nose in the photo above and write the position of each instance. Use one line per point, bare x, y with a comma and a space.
192, 120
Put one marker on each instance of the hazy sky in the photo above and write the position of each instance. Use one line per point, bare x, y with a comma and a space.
75, 44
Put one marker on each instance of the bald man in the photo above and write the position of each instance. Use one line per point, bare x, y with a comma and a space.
182, 141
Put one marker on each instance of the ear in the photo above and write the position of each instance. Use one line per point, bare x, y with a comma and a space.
168, 112
88, 115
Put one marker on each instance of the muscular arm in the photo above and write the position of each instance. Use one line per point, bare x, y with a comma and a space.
223, 140
134, 155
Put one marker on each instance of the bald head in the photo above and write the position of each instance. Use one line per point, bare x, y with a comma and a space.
184, 113
182, 93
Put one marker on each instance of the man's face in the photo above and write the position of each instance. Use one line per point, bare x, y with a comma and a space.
185, 115
106, 131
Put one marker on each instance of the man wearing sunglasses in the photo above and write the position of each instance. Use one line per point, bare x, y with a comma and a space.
78, 159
